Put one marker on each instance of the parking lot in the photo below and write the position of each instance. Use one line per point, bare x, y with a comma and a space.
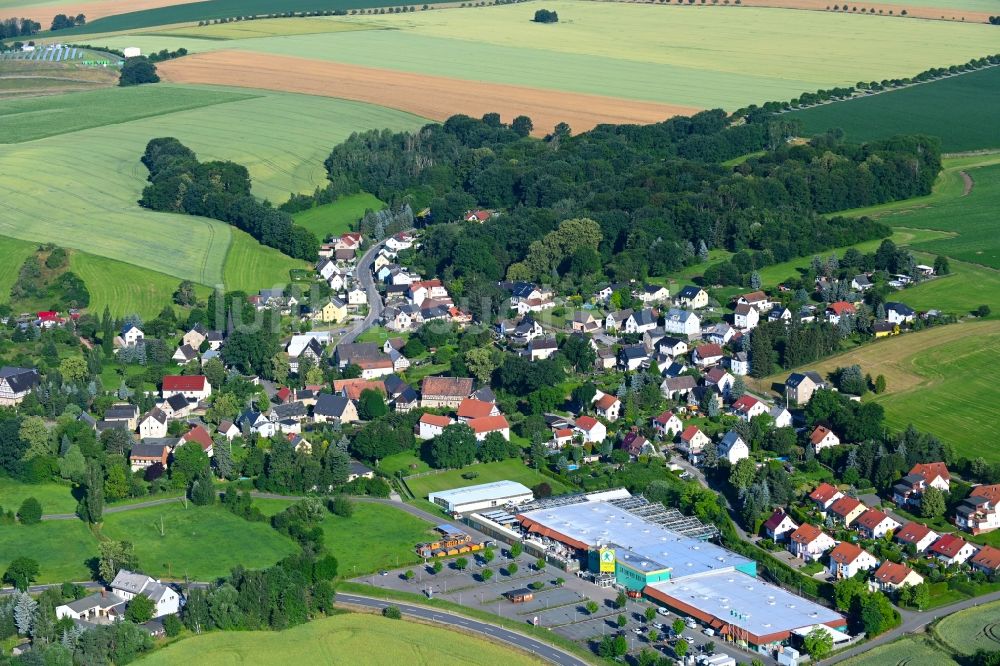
561, 608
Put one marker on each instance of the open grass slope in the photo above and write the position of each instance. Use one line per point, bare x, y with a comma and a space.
510, 470
964, 111
54, 497
935, 381
688, 56
338, 217
13, 252
349, 639
375, 537
201, 543
79, 189
61, 547
251, 266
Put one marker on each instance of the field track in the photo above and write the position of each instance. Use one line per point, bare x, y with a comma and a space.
434, 97
92, 9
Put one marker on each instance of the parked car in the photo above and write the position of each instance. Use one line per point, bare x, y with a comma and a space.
689, 639
637, 630
662, 611
691, 624
708, 631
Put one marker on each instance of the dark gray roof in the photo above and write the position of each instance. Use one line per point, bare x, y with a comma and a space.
522, 289
177, 402
543, 343
121, 412
20, 379
289, 410
147, 449
644, 317
359, 351
900, 308
634, 351
328, 404
485, 394
689, 291
359, 468
407, 397
88, 419
393, 384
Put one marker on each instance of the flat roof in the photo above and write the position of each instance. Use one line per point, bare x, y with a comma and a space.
746, 602
481, 493
641, 544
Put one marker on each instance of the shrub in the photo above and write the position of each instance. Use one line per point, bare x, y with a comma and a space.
392, 612
30, 512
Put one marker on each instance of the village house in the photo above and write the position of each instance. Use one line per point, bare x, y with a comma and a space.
672, 347
681, 322
899, 313
331, 312
540, 349
720, 333
483, 426
471, 409
739, 364
400, 241
254, 422
123, 412
431, 425
145, 455
348, 241
636, 445
780, 314
585, 321
952, 549
980, 511
823, 438
909, 490
809, 542
748, 407
782, 417
720, 377
591, 429
444, 391
845, 511
16, 384
861, 283
705, 356
331, 408
693, 442
986, 560
678, 387
733, 448
614, 321
200, 436
824, 496
667, 425
692, 297
891, 577
652, 293
561, 437
917, 535
834, 311
746, 317
632, 357
607, 406
128, 585
192, 387
875, 524
779, 526
154, 424
847, 559
641, 321
756, 299
101, 607
800, 386
130, 336
228, 429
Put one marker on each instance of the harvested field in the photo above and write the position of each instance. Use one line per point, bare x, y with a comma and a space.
280, 27
433, 97
884, 8
92, 9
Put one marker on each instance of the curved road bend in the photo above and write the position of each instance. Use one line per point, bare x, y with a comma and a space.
363, 276
536, 647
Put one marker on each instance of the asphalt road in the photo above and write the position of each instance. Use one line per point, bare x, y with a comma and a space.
543, 650
363, 277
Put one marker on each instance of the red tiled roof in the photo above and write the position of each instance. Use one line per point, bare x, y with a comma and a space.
841, 308
806, 533
663, 418
471, 408
373, 363
585, 422
871, 518
708, 351
184, 383
754, 296
844, 505
436, 420
818, 434
988, 558
912, 532
606, 402
200, 435
689, 433
931, 470
845, 552
745, 403
824, 493
992, 493
948, 545
892, 573
352, 388
283, 393
564, 432
489, 424
446, 386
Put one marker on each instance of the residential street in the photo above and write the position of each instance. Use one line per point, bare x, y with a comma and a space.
363, 277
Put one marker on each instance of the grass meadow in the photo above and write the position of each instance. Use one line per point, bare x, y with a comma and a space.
510, 470
13, 252
251, 266
96, 176
964, 111
199, 542
699, 57
375, 537
348, 639
54, 497
338, 217
61, 547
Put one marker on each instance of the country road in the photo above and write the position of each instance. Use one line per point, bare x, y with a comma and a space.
363, 276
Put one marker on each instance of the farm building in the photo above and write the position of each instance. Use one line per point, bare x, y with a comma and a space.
482, 496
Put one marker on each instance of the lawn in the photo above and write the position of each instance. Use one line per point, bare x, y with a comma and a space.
201, 543
339, 217
94, 177
251, 266
964, 111
972, 629
349, 639
909, 651
61, 548
934, 382
505, 470
54, 497
127, 288
406, 462
376, 537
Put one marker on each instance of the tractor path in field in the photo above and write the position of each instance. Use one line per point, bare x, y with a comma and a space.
967, 183
434, 97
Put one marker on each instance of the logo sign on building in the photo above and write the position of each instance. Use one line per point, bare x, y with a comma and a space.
607, 560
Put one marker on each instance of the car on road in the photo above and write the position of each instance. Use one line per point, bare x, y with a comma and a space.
383, 572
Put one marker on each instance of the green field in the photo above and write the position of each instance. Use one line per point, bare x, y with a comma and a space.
707, 57
96, 176
54, 497
280, 27
910, 651
201, 543
964, 111
375, 537
348, 639
338, 217
973, 629
61, 548
505, 470
251, 266
13, 252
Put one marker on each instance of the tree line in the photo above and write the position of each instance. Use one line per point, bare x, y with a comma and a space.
179, 183
18, 27
655, 192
